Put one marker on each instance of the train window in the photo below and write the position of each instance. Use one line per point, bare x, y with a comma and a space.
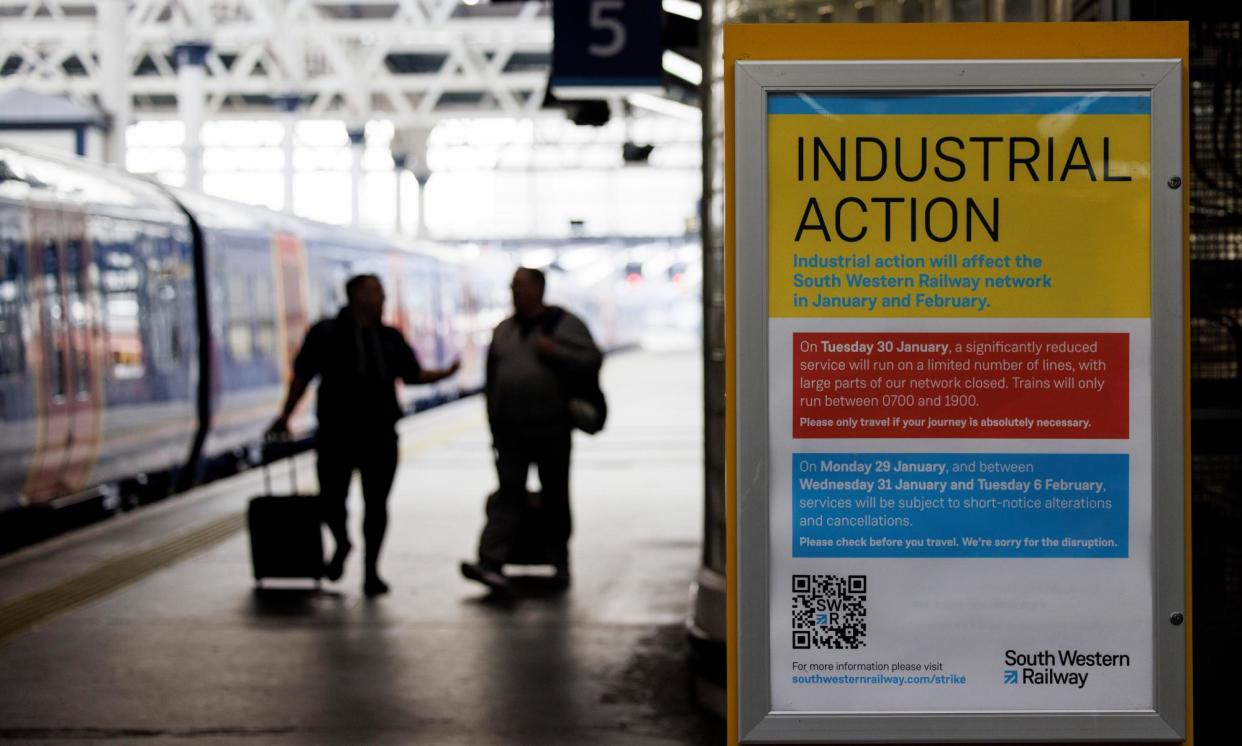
314, 294
166, 300
54, 318
119, 279
160, 309
12, 351
264, 317
333, 295
75, 282
322, 286
237, 330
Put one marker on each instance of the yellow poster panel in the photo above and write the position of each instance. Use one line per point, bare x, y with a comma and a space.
982, 206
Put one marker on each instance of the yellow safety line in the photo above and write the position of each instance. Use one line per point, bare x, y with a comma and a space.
29, 611
21, 614
447, 434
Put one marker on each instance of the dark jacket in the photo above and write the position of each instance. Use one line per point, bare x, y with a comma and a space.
358, 370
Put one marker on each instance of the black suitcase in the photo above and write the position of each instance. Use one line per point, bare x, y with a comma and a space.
533, 544
285, 536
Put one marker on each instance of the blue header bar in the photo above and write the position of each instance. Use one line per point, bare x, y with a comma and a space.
806, 103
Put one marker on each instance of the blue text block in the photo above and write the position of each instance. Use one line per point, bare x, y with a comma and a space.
960, 505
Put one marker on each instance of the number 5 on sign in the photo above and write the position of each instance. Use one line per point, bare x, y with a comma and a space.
605, 48
601, 21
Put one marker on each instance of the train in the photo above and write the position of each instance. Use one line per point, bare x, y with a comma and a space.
147, 333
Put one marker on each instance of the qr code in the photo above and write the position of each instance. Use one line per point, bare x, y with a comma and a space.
829, 612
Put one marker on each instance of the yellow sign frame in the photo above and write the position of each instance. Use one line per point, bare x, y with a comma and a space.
871, 42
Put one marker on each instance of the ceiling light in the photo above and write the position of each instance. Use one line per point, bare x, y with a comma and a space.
684, 8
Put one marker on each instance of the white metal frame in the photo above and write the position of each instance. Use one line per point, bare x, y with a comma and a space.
758, 722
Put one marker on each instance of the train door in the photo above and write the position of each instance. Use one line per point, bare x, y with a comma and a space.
64, 363
17, 423
78, 277
292, 310
167, 303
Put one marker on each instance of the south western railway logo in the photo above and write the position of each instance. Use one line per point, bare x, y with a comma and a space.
1068, 667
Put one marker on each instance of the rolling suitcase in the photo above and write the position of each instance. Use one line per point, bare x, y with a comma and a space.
533, 543
285, 536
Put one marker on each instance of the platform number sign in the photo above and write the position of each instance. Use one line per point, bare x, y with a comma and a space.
604, 18
605, 47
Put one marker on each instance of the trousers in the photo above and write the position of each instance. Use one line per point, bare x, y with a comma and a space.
375, 459
514, 456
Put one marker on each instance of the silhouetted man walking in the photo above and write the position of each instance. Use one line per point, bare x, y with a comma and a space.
358, 360
532, 354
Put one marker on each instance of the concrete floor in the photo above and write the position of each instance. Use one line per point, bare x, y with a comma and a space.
193, 652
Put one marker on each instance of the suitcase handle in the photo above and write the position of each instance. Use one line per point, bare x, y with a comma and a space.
267, 478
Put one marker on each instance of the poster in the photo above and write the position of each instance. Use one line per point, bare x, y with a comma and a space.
960, 373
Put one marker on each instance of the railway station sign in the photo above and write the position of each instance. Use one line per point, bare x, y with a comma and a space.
605, 48
959, 387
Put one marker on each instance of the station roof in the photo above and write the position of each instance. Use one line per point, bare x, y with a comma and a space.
23, 109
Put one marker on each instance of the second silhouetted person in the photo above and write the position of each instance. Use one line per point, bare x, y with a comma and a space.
534, 355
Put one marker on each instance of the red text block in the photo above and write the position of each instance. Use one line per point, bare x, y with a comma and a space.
965, 385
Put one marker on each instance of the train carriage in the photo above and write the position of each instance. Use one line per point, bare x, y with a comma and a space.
147, 333
98, 334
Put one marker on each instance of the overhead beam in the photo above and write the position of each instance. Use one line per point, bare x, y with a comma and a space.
277, 46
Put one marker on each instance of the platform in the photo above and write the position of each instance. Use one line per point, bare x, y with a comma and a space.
148, 629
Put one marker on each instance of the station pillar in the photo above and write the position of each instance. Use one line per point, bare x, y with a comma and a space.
288, 104
191, 60
422, 175
357, 148
411, 144
399, 162
114, 73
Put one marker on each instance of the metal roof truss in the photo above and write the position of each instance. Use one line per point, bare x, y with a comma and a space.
409, 61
